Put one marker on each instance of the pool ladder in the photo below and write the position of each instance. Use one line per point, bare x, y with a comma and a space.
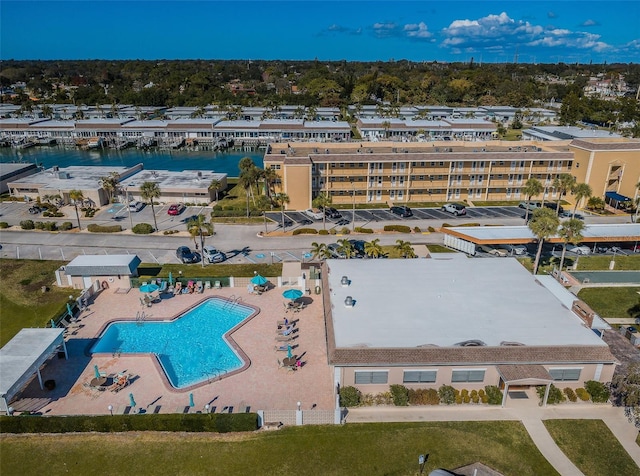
140, 317
233, 300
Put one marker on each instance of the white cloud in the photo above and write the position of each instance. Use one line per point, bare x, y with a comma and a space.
590, 23
419, 30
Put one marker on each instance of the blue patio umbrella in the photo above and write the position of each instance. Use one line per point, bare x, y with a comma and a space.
132, 402
292, 294
53, 324
170, 279
69, 310
289, 354
96, 371
149, 288
259, 280
191, 402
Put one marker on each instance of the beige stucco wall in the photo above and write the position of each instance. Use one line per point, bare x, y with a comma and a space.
297, 185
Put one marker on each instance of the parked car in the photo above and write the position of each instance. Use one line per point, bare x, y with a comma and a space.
176, 209
331, 212
565, 214
314, 213
213, 255
492, 251
553, 206
34, 210
514, 249
186, 256
579, 249
529, 205
136, 206
455, 208
358, 245
333, 249
402, 211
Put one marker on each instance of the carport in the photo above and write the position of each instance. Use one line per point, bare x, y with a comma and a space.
23, 356
524, 375
615, 199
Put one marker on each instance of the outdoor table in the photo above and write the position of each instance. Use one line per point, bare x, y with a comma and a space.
98, 381
289, 362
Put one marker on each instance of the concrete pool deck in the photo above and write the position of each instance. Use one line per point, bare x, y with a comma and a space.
262, 386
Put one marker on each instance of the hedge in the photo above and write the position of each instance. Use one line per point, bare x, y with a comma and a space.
196, 422
27, 225
93, 228
363, 230
400, 395
142, 229
350, 397
305, 231
598, 391
4, 224
555, 394
66, 226
399, 228
493, 395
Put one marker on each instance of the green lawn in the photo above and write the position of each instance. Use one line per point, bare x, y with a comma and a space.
439, 249
22, 302
611, 302
352, 449
147, 270
623, 263
591, 446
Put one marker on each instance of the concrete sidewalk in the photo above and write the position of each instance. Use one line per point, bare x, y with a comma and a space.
531, 416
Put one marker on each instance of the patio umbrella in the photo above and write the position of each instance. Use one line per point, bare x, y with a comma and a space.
289, 354
149, 288
191, 402
259, 280
131, 400
69, 310
96, 371
292, 294
170, 279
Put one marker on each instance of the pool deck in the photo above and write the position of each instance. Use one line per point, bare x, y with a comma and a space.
262, 386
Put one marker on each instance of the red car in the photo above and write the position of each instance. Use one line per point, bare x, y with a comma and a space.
175, 209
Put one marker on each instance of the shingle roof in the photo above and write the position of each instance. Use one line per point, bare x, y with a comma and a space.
510, 373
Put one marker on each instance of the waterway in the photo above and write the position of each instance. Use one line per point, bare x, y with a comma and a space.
153, 159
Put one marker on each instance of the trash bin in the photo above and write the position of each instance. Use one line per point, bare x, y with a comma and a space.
317, 289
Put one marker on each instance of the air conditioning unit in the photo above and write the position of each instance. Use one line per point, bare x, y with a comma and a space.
64, 175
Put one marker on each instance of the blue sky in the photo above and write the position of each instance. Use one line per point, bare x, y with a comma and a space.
489, 31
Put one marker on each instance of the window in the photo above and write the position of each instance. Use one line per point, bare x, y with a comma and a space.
419, 376
371, 377
467, 376
565, 374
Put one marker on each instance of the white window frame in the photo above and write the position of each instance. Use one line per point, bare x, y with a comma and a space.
467, 380
563, 370
363, 373
420, 372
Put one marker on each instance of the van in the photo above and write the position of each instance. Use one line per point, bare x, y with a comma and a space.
136, 206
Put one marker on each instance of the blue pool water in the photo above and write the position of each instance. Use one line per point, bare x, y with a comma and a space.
191, 348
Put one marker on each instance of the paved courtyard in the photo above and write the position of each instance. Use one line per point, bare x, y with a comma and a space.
264, 385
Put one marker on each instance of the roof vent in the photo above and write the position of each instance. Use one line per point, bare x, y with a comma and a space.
471, 343
507, 343
349, 302
345, 281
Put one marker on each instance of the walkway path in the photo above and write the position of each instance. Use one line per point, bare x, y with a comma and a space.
531, 416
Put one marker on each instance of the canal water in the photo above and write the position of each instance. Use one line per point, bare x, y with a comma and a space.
174, 160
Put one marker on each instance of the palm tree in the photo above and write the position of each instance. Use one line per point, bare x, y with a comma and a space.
322, 201
532, 188
282, 199
150, 191
345, 246
563, 183
320, 250
571, 232
373, 249
543, 224
580, 191
270, 176
249, 176
199, 226
405, 249
110, 184
215, 186
77, 196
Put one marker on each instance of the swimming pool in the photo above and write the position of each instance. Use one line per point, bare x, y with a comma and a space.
191, 348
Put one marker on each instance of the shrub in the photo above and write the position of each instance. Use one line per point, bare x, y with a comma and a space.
142, 229
475, 398
598, 391
55, 214
398, 228
39, 225
400, 395
416, 229
583, 394
464, 392
383, 398
484, 398
93, 228
493, 394
570, 394
447, 394
424, 396
4, 224
363, 230
345, 230
305, 231
350, 397
481, 393
446, 225
66, 226
50, 225
555, 394
89, 212
458, 399
431, 229
323, 232
466, 399
27, 225
170, 232
25, 282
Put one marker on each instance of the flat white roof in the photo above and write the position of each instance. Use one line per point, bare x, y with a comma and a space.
421, 302
590, 232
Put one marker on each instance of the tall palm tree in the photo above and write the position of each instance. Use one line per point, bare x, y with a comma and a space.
77, 196
249, 175
322, 201
198, 226
110, 184
405, 249
345, 246
571, 232
544, 224
215, 186
532, 188
269, 176
580, 191
150, 191
373, 249
563, 183
320, 250
282, 199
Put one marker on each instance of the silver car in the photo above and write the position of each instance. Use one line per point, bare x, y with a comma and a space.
212, 255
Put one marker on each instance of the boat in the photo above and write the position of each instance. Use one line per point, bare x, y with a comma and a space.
23, 143
46, 141
95, 143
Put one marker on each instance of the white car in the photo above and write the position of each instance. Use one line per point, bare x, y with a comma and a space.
579, 250
136, 206
213, 255
529, 205
514, 249
314, 213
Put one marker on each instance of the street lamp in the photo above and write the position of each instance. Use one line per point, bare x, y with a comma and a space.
126, 192
353, 210
206, 408
299, 405
110, 408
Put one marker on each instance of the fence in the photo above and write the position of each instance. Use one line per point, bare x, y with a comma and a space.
300, 417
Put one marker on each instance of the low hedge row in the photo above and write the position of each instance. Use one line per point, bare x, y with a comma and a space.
305, 231
363, 230
218, 423
401, 396
399, 228
142, 229
93, 228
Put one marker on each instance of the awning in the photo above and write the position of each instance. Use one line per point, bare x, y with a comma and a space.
617, 197
531, 374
